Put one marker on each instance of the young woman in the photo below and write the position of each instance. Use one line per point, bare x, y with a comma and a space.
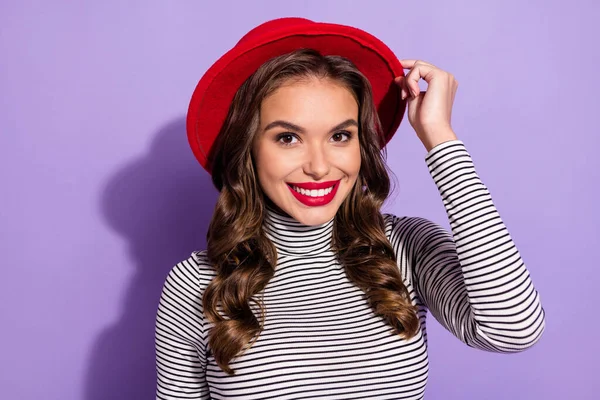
306, 290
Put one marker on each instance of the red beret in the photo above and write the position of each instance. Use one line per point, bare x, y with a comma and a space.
214, 93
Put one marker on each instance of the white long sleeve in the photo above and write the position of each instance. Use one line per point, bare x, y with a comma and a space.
474, 281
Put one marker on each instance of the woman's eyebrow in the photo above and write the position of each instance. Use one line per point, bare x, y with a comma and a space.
347, 123
285, 125
296, 128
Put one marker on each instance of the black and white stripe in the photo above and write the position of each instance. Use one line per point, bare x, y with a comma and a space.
321, 339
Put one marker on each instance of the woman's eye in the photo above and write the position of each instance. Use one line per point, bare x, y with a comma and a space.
287, 138
341, 136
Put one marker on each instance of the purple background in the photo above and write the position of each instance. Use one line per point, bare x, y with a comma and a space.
101, 195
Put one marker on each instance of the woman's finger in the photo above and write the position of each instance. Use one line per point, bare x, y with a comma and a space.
407, 64
419, 70
400, 81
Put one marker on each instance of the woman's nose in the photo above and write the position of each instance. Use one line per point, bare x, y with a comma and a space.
317, 164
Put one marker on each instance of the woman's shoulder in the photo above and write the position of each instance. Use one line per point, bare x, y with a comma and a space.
180, 316
193, 273
200, 260
404, 227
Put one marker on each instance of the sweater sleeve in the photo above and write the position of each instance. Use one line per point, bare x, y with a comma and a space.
473, 281
180, 338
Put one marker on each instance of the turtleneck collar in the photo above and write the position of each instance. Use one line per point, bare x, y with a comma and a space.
290, 237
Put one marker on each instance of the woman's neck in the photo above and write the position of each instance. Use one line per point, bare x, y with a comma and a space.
291, 237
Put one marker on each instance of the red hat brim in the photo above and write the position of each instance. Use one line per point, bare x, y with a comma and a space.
214, 93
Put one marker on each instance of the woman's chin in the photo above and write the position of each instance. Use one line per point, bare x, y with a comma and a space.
314, 215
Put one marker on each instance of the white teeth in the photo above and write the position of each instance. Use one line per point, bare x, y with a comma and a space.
313, 193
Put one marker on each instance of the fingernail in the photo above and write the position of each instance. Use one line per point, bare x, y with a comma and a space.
404, 94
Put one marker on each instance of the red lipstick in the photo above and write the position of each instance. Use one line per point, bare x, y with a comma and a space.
313, 201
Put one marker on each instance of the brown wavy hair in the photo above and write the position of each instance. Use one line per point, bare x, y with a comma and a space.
245, 259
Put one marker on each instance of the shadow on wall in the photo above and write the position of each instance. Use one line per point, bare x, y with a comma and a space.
162, 204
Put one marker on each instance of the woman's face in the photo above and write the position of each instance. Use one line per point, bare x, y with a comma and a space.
306, 150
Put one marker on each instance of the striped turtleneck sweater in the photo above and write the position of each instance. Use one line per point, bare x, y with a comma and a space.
321, 340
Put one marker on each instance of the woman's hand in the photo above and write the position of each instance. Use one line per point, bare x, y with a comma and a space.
429, 112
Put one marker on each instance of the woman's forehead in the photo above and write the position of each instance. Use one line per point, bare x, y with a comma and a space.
311, 102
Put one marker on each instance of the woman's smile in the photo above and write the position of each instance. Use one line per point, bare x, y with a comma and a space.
314, 193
